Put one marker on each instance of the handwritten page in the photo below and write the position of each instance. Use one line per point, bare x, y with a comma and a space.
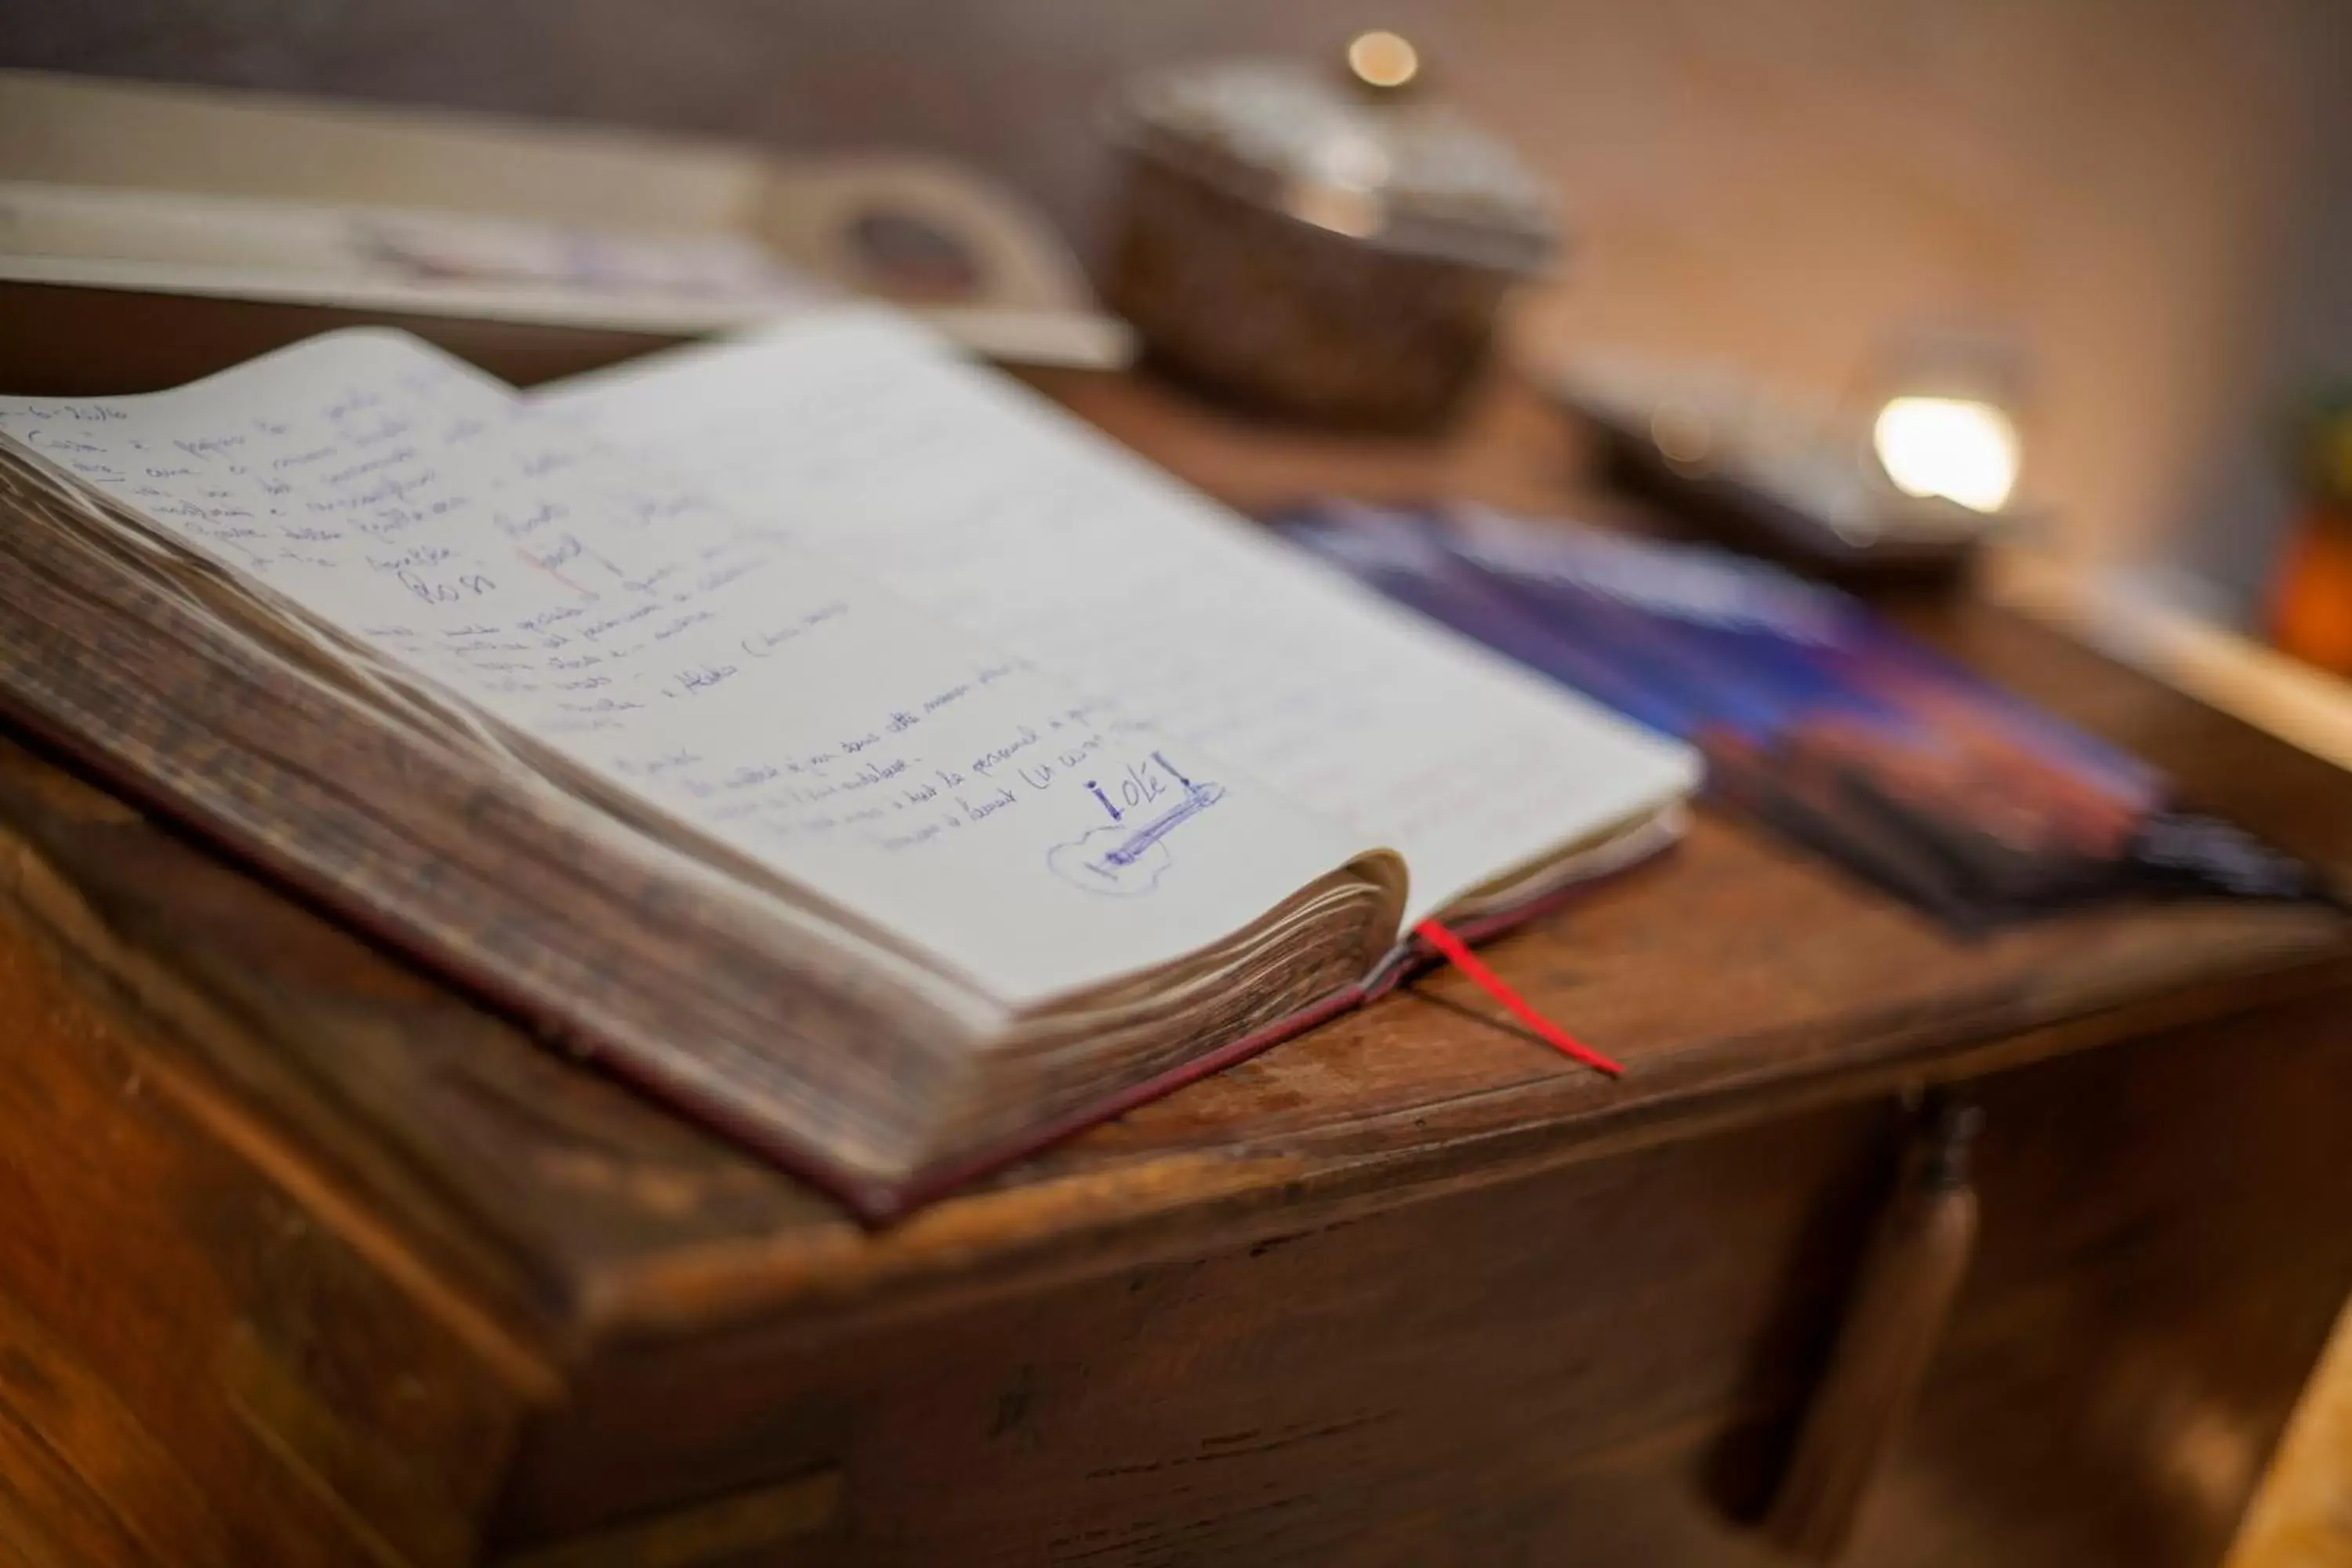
959, 490
909, 772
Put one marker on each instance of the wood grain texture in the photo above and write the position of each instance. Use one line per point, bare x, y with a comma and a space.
206, 1357
1592, 1365
2162, 1254
1286, 1400
1408, 1271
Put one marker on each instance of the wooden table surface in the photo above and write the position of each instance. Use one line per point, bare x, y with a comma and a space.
554, 1228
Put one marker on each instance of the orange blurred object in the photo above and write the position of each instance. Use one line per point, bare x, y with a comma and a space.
2310, 616
2311, 611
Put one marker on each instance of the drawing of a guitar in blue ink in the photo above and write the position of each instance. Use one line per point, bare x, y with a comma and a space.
1126, 859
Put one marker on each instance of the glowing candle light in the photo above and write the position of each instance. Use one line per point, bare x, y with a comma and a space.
1383, 59
1958, 448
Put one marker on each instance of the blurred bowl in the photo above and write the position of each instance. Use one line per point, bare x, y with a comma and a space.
1332, 251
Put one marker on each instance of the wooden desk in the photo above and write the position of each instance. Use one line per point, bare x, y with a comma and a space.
304, 1259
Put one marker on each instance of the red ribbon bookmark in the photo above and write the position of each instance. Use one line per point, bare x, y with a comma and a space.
1457, 953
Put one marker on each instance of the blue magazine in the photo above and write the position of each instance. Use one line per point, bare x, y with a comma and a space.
1815, 717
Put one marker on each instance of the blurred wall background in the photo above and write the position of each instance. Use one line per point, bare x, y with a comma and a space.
2154, 196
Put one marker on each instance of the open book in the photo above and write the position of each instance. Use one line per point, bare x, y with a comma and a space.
815, 729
